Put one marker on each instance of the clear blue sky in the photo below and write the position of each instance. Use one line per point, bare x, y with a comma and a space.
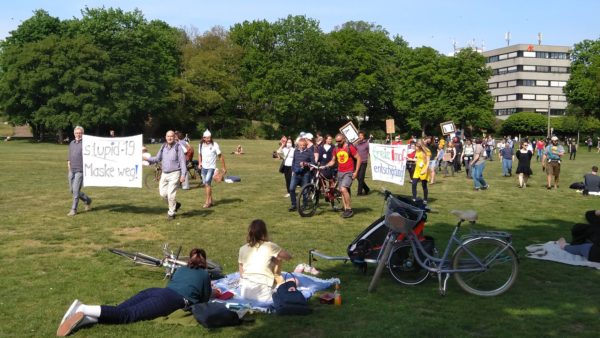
434, 23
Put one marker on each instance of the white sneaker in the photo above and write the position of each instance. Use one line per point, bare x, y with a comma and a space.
286, 195
72, 213
71, 311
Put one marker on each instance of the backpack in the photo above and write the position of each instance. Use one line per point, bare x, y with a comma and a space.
189, 153
212, 315
286, 302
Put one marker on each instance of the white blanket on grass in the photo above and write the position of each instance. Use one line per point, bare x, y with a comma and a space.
551, 251
308, 286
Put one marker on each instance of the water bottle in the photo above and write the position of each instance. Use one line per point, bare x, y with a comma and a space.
337, 295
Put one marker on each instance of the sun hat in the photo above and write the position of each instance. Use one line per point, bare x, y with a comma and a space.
554, 138
206, 133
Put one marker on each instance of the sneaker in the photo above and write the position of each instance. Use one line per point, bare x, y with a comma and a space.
286, 195
71, 311
292, 209
170, 217
88, 205
177, 206
70, 324
347, 213
425, 202
548, 187
486, 187
73, 212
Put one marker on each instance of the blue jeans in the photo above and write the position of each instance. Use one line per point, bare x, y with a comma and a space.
506, 167
75, 183
146, 305
302, 179
207, 175
477, 175
579, 249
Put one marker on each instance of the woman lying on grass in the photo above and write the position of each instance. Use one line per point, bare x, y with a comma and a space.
190, 285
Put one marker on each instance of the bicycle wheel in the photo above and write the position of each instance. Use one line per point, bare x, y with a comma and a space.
381, 263
499, 260
151, 180
308, 200
336, 203
404, 267
137, 257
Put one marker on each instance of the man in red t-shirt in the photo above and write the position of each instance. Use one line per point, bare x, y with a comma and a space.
347, 171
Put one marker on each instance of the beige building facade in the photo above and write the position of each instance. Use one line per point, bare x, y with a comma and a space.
529, 78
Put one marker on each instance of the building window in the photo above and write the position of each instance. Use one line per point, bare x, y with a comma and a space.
529, 68
512, 97
512, 69
529, 54
502, 57
492, 85
560, 98
501, 84
541, 97
541, 83
542, 69
559, 69
501, 98
558, 83
512, 55
530, 83
512, 83
528, 97
493, 58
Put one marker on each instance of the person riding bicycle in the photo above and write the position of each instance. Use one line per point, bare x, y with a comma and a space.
189, 285
300, 170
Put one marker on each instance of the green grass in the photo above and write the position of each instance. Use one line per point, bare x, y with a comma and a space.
48, 259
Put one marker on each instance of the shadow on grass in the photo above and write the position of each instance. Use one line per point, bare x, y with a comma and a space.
228, 201
128, 208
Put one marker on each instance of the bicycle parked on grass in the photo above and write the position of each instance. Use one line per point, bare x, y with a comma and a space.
320, 185
484, 263
170, 262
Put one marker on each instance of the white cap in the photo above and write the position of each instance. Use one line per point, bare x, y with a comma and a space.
554, 138
308, 136
206, 133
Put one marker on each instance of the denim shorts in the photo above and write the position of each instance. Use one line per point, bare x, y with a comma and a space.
345, 179
207, 176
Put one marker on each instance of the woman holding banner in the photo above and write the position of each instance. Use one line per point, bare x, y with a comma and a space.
421, 172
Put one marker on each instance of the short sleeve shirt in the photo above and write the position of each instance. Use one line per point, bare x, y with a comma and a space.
344, 159
256, 261
209, 153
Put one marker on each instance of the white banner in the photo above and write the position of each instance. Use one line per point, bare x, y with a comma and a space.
112, 161
388, 162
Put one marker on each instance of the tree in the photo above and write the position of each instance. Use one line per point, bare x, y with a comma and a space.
525, 123
583, 88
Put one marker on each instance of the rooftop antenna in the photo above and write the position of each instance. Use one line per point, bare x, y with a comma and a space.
507, 38
539, 38
482, 46
454, 45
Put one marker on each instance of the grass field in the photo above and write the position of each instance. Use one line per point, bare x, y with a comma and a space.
48, 259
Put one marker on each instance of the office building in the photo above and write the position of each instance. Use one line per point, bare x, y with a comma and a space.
529, 78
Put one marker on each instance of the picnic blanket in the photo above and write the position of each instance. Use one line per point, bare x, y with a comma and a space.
550, 251
308, 286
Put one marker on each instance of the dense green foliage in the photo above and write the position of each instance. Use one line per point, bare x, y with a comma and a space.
583, 88
525, 124
112, 69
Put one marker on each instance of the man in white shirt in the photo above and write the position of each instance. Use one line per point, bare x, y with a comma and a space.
208, 153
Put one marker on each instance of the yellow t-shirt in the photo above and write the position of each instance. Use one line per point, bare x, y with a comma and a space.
256, 262
421, 157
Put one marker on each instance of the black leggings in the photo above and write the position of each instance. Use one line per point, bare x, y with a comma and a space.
415, 181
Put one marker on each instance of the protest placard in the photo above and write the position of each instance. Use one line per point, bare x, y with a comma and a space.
112, 161
388, 162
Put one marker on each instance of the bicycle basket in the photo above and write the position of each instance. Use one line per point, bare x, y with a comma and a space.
400, 216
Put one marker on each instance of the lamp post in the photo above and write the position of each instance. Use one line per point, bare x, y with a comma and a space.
548, 119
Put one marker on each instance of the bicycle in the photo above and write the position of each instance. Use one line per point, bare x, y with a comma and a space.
152, 179
308, 197
484, 263
171, 261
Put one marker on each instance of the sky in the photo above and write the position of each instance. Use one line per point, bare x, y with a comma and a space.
434, 23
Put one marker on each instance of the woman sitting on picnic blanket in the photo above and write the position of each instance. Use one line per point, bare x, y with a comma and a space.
586, 238
259, 264
189, 285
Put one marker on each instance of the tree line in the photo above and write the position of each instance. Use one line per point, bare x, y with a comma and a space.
115, 70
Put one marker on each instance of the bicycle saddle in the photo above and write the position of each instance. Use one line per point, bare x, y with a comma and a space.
465, 215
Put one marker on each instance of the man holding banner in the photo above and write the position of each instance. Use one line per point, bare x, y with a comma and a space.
75, 167
174, 171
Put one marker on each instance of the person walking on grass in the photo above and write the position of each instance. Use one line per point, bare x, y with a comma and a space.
551, 161
75, 175
572, 149
421, 171
478, 165
363, 149
433, 151
347, 171
189, 285
524, 157
208, 152
172, 159
302, 156
507, 157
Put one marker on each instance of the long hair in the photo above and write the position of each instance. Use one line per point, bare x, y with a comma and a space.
197, 259
257, 232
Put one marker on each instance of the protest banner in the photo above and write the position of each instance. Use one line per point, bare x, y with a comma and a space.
388, 162
112, 161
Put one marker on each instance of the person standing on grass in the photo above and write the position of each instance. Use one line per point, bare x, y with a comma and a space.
478, 165
458, 149
302, 156
421, 171
539, 147
347, 171
551, 161
189, 154
172, 159
590, 144
433, 151
507, 157
75, 168
467, 156
363, 150
524, 156
189, 285
572, 149
286, 154
208, 152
